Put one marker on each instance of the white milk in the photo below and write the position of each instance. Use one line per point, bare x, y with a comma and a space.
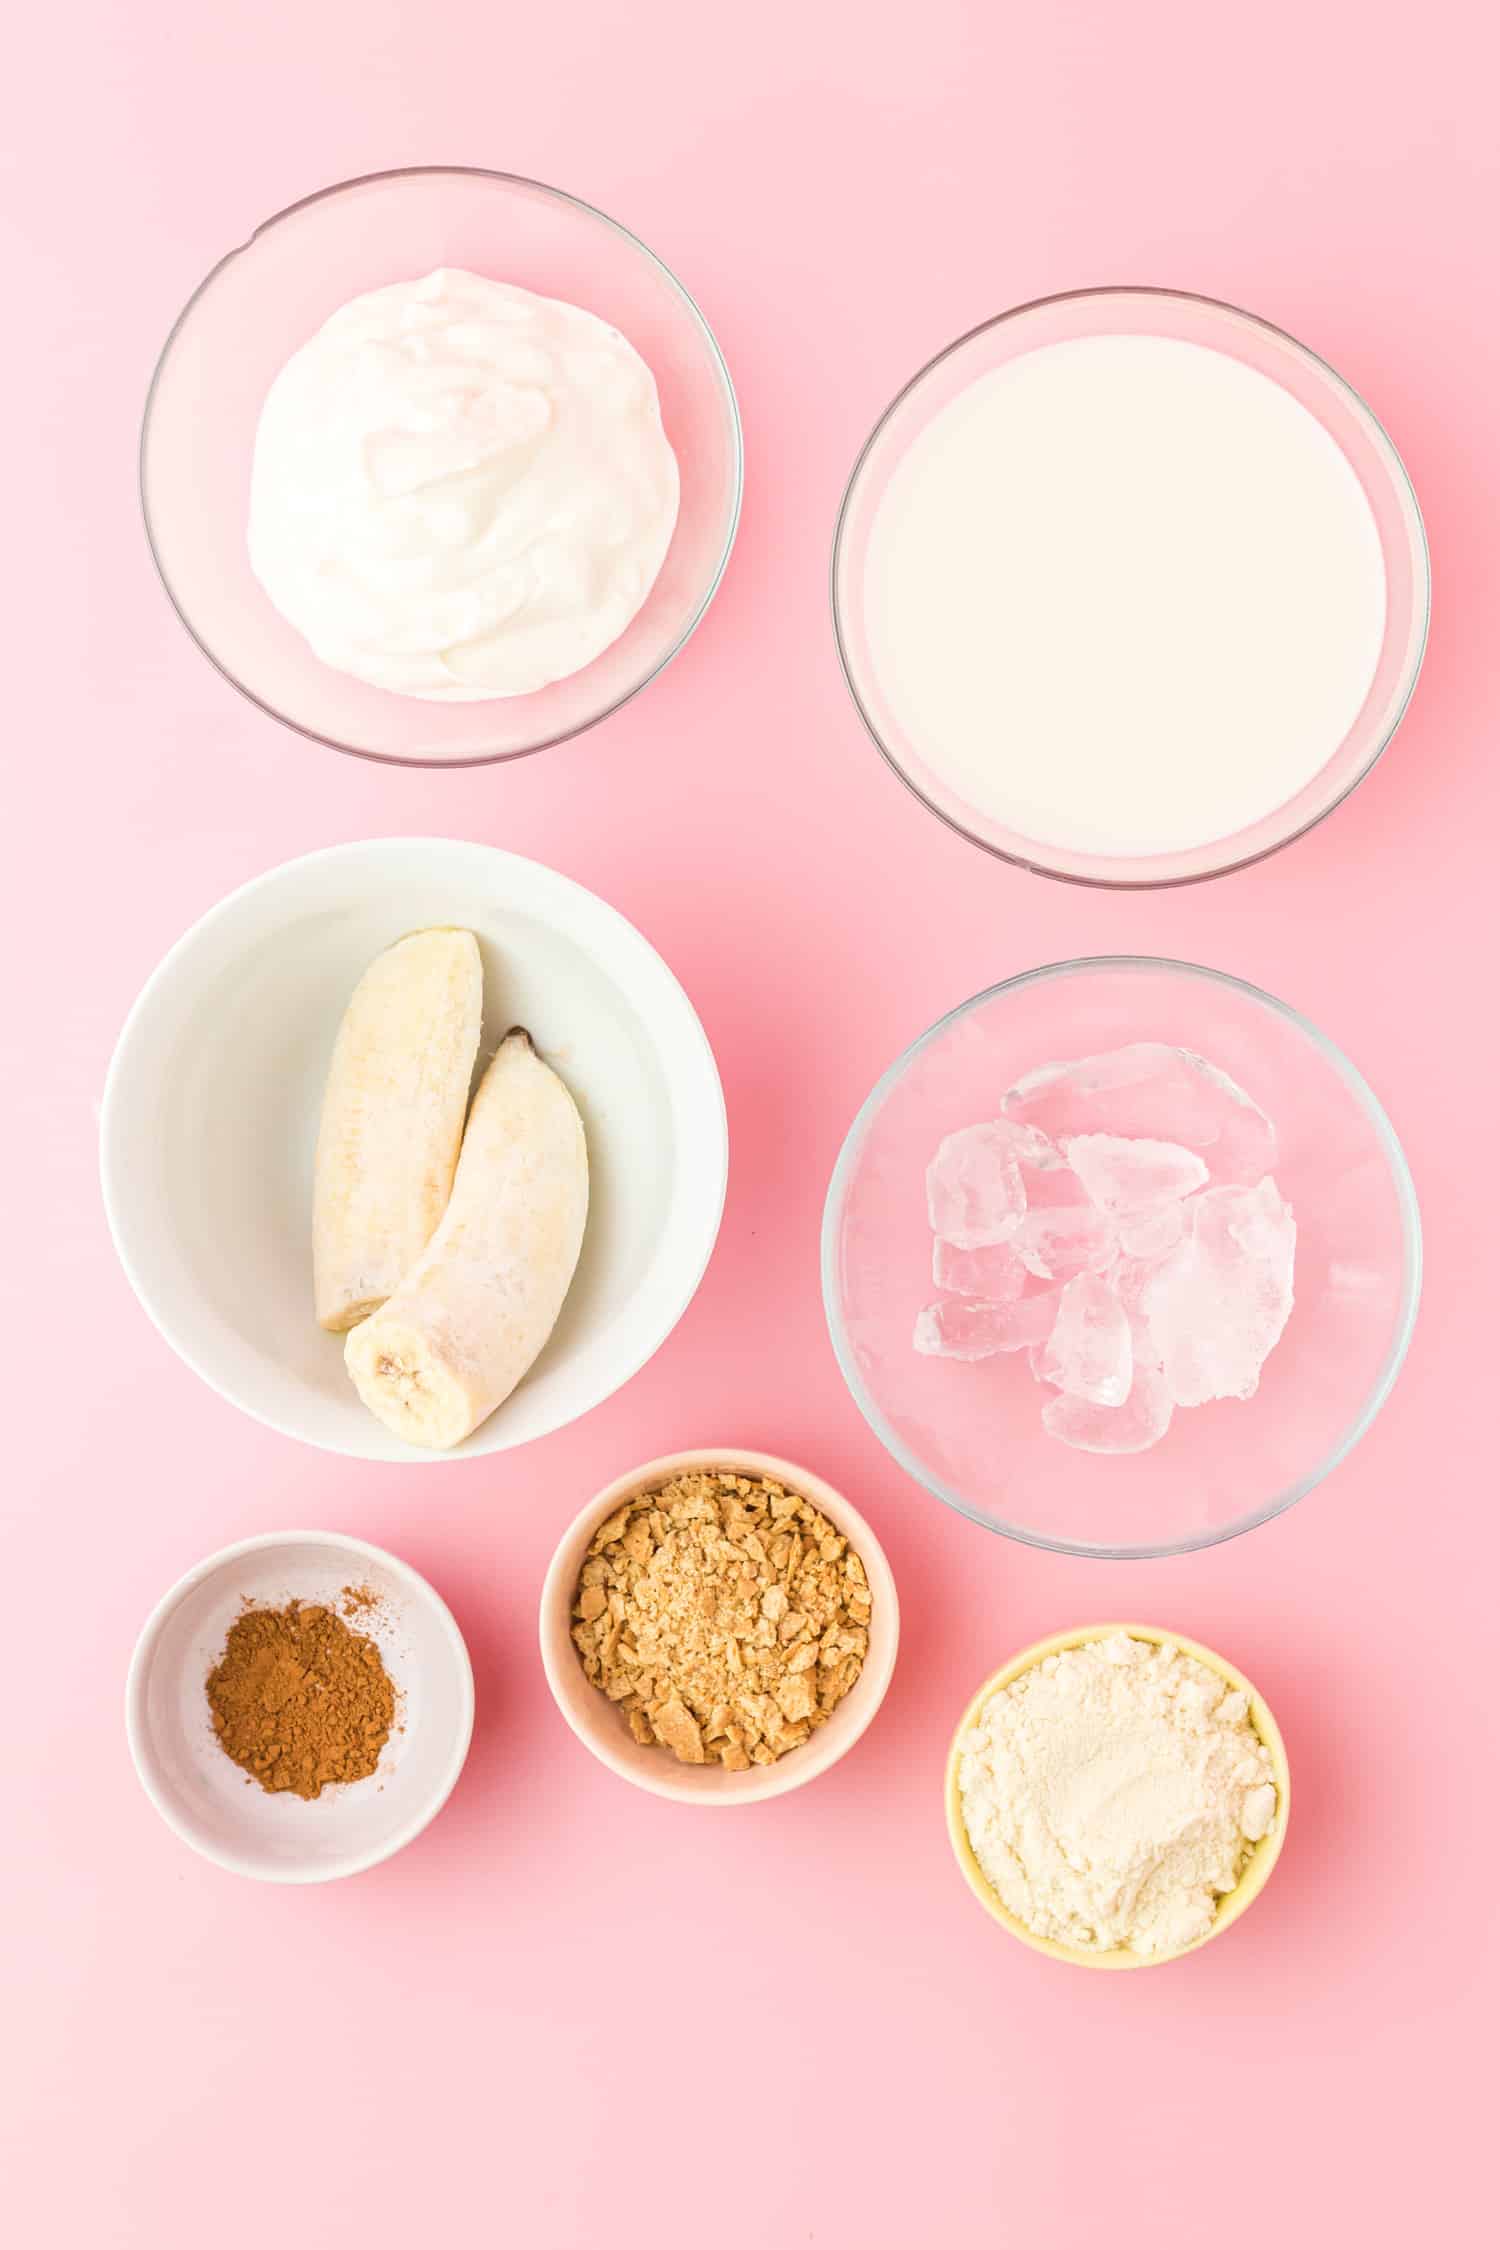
1125, 595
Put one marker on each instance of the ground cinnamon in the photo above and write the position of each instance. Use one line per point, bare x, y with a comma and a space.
300, 1701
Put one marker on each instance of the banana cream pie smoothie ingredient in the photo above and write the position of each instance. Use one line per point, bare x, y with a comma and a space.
724, 1615
452, 1342
1123, 1218
1113, 1793
461, 489
393, 1117
299, 1700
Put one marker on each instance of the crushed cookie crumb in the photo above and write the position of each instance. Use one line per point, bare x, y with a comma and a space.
724, 1616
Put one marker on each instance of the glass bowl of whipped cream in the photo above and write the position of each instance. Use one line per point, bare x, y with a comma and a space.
441, 466
1129, 587
1121, 1258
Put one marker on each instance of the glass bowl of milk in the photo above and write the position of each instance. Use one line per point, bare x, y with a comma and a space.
975, 1430
1130, 587
490, 400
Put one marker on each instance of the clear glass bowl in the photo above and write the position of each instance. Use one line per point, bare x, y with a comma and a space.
1196, 320
972, 1432
267, 298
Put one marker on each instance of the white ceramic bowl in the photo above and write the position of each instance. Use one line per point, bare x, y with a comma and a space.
208, 1801
211, 1111
597, 1722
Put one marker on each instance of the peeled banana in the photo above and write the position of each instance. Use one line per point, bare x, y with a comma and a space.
393, 1117
476, 1308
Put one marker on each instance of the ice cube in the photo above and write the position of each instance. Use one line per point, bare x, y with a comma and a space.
1058, 1095
1140, 1423
1088, 1354
1145, 1090
1149, 1235
1053, 1189
1243, 1150
1128, 1177
1054, 1244
1150, 1091
975, 1194
1035, 1152
973, 1328
995, 1271
1255, 1219
1129, 1278
1217, 1306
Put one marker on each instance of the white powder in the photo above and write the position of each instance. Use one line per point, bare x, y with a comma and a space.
1112, 1794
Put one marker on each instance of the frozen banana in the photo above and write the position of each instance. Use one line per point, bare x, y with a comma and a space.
477, 1307
393, 1118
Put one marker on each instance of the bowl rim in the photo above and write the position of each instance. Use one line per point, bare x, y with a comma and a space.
793, 1771
1411, 1236
1031, 864
352, 1863
1264, 1855
504, 179
378, 846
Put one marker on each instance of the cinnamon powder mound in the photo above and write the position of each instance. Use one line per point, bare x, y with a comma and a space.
299, 1701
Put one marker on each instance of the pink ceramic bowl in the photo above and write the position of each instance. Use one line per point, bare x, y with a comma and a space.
602, 1728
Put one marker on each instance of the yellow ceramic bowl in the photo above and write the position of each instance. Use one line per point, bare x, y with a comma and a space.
1262, 1859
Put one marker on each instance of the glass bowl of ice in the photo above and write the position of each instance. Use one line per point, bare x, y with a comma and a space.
1121, 1257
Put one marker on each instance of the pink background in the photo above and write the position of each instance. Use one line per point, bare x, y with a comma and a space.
572, 2013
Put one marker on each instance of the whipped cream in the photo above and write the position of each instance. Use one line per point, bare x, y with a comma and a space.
460, 489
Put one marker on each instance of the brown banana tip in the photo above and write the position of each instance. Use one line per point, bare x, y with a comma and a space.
519, 1031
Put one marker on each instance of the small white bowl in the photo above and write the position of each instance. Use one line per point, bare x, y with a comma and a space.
211, 1113
208, 1800
598, 1723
